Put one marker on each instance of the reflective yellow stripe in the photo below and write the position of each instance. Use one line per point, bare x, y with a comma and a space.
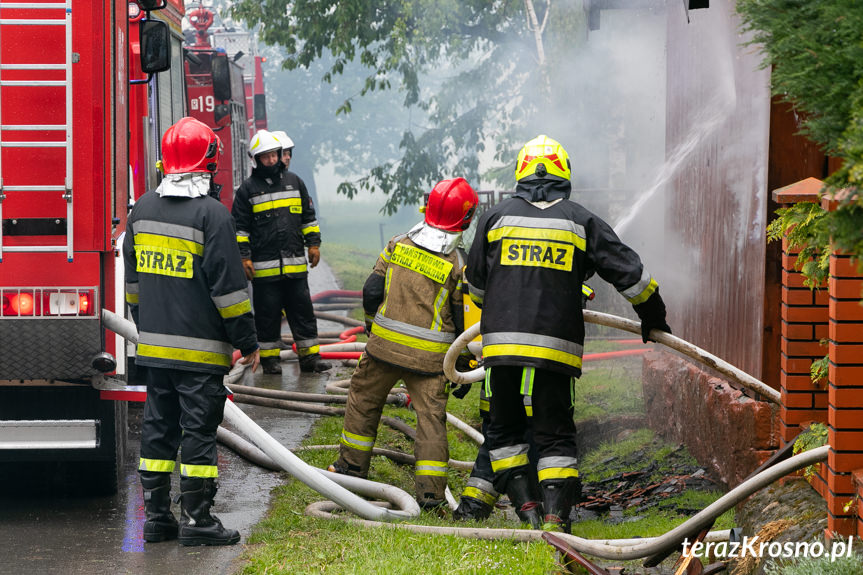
422, 262
528, 410
433, 468
509, 462
483, 405
359, 442
158, 465
236, 309
189, 355
538, 234
304, 351
527, 381
198, 470
646, 293
242, 239
387, 279
266, 272
269, 352
557, 473
294, 269
385, 255
409, 341
311, 229
155, 240
486, 498
437, 321
131, 297
531, 351
273, 204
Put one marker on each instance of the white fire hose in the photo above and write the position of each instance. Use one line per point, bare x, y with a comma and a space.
333, 485
599, 318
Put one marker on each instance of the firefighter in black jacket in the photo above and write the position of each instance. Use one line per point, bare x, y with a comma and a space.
275, 222
414, 311
526, 267
187, 293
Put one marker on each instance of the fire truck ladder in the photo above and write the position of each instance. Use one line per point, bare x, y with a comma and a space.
66, 23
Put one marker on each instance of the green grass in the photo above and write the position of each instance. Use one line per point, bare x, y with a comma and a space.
821, 566
288, 541
354, 264
611, 389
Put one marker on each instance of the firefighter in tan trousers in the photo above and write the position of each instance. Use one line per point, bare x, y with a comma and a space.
414, 308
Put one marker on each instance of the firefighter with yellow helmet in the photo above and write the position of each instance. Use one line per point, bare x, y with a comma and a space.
526, 267
276, 223
414, 310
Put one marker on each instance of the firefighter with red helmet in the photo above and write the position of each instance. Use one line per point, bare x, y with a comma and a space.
414, 311
275, 224
187, 292
526, 267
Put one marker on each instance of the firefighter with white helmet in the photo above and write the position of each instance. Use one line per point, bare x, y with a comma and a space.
187, 293
275, 224
414, 311
287, 147
532, 253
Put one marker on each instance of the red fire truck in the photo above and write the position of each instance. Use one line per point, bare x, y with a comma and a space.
217, 84
66, 101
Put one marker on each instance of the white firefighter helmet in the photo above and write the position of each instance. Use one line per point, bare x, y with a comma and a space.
287, 142
263, 141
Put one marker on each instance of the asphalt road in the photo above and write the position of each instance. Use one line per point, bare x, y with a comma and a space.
48, 526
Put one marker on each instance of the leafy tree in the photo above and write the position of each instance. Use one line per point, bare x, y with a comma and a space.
493, 66
816, 52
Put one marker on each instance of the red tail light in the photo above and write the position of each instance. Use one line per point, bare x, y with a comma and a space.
18, 303
47, 302
84, 304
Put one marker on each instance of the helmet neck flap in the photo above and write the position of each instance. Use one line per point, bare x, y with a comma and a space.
433, 239
189, 185
543, 190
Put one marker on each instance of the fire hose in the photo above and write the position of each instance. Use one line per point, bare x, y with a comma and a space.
737, 375
335, 487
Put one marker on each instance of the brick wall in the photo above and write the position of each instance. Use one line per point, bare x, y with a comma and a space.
809, 316
729, 433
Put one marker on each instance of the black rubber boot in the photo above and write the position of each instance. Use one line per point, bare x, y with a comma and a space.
522, 493
558, 497
161, 525
314, 363
199, 527
271, 365
472, 509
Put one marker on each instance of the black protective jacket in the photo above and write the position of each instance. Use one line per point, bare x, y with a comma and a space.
525, 269
275, 223
185, 284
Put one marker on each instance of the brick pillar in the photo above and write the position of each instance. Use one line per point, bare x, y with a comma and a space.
845, 410
804, 325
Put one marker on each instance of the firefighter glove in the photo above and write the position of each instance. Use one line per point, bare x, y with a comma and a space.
249, 268
652, 315
314, 255
461, 390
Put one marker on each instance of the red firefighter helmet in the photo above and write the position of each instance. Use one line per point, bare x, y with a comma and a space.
451, 205
190, 146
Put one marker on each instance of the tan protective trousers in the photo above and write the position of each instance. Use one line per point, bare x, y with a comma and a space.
371, 382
